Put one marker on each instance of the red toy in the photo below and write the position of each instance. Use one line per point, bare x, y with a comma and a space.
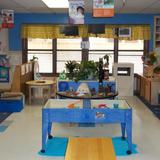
102, 106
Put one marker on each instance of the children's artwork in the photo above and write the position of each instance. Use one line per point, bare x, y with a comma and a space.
7, 18
4, 61
76, 11
0, 21
4, 74
103, 8
83, 88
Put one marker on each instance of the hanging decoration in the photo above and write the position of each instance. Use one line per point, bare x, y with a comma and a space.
103, 8
7, 18
76, 11
124, 3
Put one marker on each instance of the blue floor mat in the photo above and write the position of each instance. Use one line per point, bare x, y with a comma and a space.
154, 108
4, 115
3, 128
56, 147
121, 146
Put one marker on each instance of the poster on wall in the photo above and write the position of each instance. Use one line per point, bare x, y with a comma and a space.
76, 11
0, 21
7, 18
4, 74
4, 68
4, 61
103, 8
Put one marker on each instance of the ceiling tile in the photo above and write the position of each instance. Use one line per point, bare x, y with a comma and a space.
31, 3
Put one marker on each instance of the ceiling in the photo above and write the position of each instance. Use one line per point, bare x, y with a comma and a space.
37, 6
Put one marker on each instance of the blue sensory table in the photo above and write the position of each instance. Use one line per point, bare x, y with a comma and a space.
64, 85
115, 111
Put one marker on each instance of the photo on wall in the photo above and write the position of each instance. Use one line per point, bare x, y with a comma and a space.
76, 11
103, 8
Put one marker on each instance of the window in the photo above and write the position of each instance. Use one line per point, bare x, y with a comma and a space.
100, 47
97, 43
41, 48
131, 52
68, 49
53, 56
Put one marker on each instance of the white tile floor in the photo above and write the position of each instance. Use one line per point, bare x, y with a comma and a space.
22, 139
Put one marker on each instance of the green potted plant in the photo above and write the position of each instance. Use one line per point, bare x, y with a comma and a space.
87, 70
70, 67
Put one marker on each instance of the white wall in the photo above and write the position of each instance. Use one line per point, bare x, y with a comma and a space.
4, 41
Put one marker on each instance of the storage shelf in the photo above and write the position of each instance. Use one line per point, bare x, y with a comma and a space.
157, 32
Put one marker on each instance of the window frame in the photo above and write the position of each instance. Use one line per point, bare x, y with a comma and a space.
84, 52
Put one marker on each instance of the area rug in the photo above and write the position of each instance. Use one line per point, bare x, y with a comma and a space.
4, 115
58, 146
154, 108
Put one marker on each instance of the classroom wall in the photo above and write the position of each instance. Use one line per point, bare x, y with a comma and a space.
23, 18
15, 57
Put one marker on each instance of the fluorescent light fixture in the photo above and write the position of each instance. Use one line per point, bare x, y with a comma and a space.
56, 3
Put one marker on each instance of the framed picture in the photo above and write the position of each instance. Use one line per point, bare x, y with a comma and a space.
4, 74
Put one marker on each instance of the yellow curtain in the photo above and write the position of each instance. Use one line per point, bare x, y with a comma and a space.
83, 31
141, 32
138, 32
40, 31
